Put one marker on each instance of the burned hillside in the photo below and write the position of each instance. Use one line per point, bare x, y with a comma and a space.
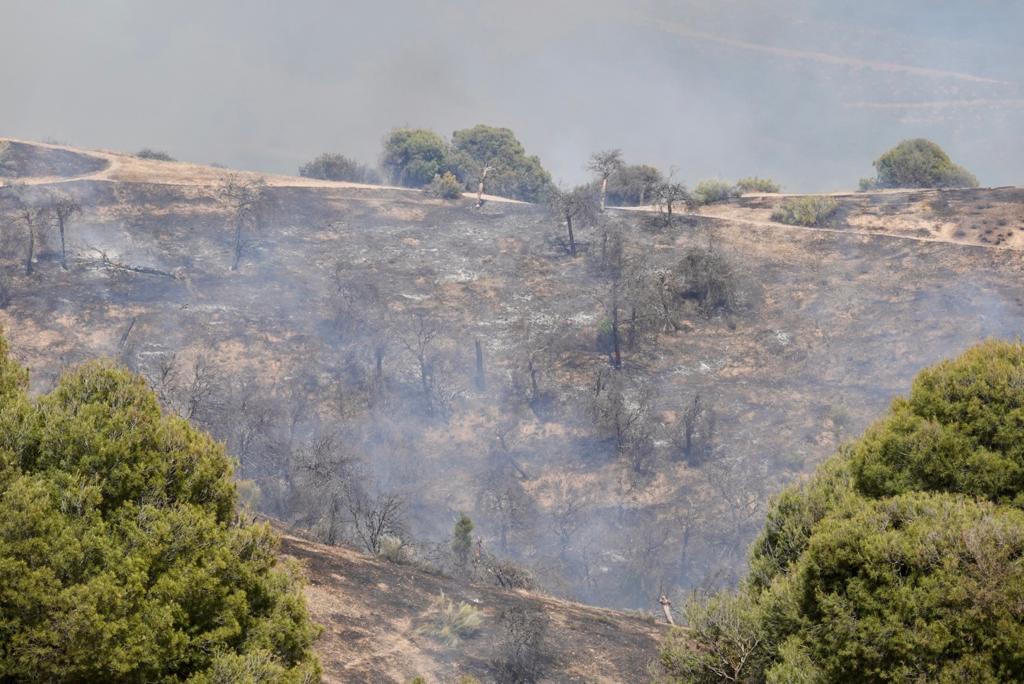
615, 422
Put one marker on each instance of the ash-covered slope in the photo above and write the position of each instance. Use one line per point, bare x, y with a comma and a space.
344, 348
376, 617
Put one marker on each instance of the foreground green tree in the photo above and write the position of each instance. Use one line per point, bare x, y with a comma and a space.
413, 156
122, 557
902, 560
919, 163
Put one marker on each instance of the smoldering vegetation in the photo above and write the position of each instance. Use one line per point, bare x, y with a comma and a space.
379, 363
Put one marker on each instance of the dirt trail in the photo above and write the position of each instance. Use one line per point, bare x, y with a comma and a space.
845, 231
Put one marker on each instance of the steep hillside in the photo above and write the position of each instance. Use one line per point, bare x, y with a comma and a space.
374, 614
351, 327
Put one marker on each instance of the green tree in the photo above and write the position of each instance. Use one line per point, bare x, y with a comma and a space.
510, 172
413, 156
462, 540
604, 164
902, 559
919, 163
121, 554
633, 185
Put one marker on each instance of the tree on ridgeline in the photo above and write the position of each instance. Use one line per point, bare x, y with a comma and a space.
488, 153
603, 165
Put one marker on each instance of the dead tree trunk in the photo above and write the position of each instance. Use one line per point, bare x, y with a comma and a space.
480, 188
63, 251
31, 247
666, 607
238, 242
616, 344
572, 239
481, 379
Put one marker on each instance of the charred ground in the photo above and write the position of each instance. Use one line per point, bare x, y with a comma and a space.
282, 351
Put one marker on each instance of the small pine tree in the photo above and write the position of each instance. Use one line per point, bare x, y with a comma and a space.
462, 540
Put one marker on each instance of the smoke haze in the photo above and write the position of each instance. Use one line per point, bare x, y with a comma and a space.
806, 91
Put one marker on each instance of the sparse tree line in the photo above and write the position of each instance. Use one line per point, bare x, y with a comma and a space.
37, 213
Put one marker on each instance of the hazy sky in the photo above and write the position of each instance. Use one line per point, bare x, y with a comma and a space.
806, 91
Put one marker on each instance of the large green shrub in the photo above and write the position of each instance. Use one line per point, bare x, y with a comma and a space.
920, 163
122, 558
810, 210
413, 156
902, 559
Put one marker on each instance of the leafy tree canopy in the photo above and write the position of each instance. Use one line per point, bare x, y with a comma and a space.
901, 560
413, 156
512, 172
633, 185
121, 554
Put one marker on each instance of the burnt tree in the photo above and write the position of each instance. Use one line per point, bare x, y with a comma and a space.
245, 199
64, 208
574, 208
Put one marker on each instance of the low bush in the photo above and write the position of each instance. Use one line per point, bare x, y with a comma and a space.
713, 190
445, 186
449, 623
393, 549
710, 278
156, 155
338, 167
811, 210
755, 184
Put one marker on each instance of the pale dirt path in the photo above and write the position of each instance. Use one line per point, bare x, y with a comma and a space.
855, 231
127, 168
